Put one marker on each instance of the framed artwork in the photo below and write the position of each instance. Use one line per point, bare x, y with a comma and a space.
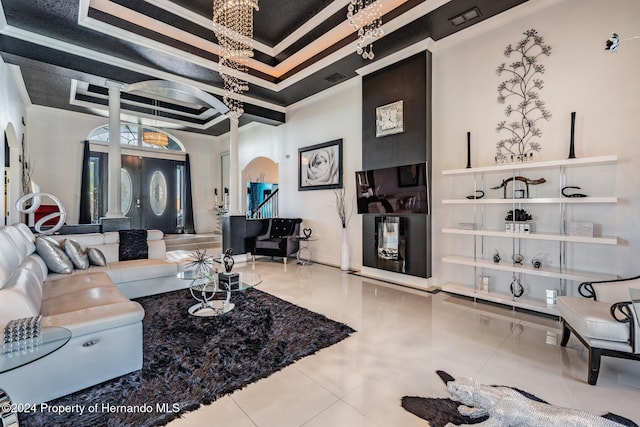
320, 166
390, 119
408, 176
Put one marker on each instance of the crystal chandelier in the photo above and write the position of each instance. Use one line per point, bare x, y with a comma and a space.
233, 27
154, 137
365, 16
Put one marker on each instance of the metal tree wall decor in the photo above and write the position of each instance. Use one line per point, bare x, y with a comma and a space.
522, 86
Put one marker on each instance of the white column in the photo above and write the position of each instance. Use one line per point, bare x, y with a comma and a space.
114, 208
235, 192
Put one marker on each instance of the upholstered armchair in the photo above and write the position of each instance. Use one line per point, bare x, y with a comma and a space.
278, 238
604, 320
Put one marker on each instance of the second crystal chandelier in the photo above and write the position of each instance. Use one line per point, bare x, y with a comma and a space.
366, 18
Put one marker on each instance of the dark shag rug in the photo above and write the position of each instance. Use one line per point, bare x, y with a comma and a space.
191, 361
440, 411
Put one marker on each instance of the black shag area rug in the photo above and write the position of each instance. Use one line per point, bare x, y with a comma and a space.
191, 361
440, 411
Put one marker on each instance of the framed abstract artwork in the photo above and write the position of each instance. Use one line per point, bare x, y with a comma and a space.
390, 119
320, 166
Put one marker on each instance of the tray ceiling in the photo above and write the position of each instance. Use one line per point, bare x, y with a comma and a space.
68, 49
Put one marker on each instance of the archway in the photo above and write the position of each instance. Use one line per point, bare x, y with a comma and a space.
260, 179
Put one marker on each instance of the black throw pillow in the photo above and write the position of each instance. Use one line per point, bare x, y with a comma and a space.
133, 245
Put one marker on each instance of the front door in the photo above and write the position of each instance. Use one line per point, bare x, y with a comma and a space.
150, 192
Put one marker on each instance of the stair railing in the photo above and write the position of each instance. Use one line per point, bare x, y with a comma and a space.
268, 208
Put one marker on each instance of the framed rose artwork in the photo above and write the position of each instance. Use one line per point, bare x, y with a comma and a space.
320, 166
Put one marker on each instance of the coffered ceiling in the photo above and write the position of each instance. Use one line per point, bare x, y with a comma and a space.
68, 49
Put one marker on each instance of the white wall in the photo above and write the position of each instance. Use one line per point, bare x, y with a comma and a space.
204, 157
601, 87
333, 114
12, 109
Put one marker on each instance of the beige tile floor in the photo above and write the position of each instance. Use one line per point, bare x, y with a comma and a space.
402, 338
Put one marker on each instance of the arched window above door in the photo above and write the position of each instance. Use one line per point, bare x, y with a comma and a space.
142, 136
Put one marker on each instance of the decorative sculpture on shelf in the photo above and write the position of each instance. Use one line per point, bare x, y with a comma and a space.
518, 215
523, 84
572, 150
496, 256
563, 191
468, 150
536, 262
527, 182
516, 288
479, 194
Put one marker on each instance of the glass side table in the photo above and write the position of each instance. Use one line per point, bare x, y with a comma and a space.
51, 339
304, 252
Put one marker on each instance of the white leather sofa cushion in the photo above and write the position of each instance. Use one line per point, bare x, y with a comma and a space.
140, 269
38, 265
25, 245
9, 257
615, 291
81, 300
97, 319
592, 319
75, 283
85, 240
21, 296
87, 303
157, 249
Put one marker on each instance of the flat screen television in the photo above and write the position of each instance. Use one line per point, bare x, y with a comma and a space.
396, 190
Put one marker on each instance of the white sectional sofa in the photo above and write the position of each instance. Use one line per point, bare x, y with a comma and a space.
94, 304
135, 278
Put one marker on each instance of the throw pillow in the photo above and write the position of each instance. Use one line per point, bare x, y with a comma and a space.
53, 255
96, 257
76, 254
133, 245
280, 228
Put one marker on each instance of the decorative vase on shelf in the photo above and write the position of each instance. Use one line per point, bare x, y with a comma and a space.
344, 260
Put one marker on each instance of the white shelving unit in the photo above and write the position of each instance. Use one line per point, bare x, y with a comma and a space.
480, 262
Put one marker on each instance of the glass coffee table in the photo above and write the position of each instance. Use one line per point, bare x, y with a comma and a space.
213, 294
51, 339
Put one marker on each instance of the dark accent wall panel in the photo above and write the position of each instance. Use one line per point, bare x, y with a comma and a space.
410, 81
404, 81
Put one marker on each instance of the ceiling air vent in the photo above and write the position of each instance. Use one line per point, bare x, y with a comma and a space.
335, 77
465, 17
